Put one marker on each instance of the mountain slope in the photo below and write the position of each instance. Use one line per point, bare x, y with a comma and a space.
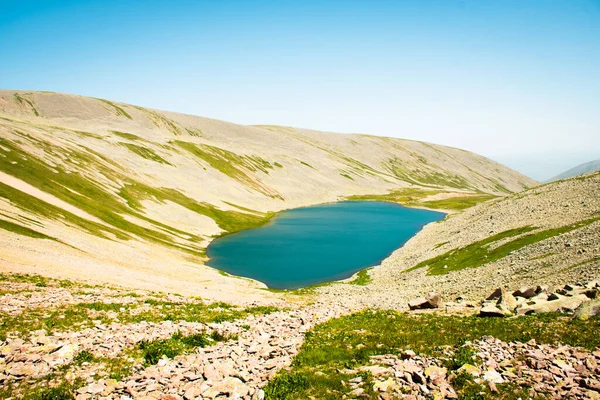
547, 235
581, 169
102, 190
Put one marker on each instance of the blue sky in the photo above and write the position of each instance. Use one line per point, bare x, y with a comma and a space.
514, 80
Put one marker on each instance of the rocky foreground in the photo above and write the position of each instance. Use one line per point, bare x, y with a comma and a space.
103, 356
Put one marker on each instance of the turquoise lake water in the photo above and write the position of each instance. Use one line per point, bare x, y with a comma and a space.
305, 246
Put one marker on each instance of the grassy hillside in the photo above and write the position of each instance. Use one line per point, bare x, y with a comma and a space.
122, 174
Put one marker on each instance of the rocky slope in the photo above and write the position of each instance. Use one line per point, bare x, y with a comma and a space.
93, 189
60, 339
543, 236
581, 169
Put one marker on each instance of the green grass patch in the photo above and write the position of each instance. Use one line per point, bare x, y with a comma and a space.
176, 345
51, 387
82, 315
542, 256
125, 135
405, 196
37, 280
349, 341
160, 120
195, 132
23, 230
362, 278
231, 164
117, 109
411, 197
23, 100
145, 152
458, 203
65, 319
83, 357
347, 176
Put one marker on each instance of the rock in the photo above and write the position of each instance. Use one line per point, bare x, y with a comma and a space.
555, 296
432, 301
569, 287
22, 369
563, 304
170, 397
495, 294
490, 310
542, 289
384, 386
233, 387
470, 369
507, 301
435, 374
493, 376
407, 354
66, 353
376, 370
526, 292
258, 395
193, 390
540, 297
587, 310
592, 285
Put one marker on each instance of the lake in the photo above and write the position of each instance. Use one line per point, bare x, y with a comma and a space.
306, 246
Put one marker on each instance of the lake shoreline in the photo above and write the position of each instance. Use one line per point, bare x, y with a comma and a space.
399, 224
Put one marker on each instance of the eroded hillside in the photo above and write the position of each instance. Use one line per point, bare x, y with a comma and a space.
94, 188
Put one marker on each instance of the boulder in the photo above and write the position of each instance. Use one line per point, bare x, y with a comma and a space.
491, 310
507, 301
526, 292
555, 296
542, 289
563, 304
540, 297
587, 310
433, 300
592, 285
495, 294
570, 287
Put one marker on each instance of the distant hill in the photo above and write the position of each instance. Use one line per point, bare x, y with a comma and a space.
584, 168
